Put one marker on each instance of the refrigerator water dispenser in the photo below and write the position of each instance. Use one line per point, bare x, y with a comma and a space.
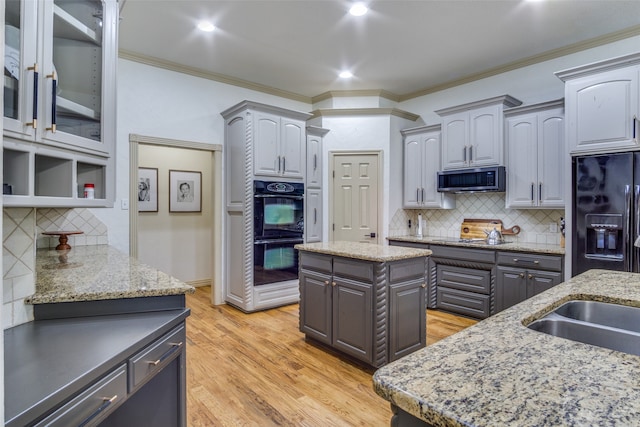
604, 236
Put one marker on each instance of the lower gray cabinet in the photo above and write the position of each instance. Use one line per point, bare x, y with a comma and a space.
464, 280
374, 312
92, 405
521, 276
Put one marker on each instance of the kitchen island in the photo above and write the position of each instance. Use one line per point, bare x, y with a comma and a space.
499, 372
366, 301
107, 344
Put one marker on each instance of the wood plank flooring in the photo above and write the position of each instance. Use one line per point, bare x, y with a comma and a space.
257, 370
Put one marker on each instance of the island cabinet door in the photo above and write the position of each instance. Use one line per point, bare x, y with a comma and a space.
353, 318
315, 305
407, 318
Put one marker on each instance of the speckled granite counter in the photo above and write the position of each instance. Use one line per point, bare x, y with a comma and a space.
364, 251
90, 273
509, 246
498, 372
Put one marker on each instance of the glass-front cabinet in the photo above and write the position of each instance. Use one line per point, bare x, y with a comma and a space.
59, 99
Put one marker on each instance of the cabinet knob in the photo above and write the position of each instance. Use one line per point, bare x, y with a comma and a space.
326, 282
521, 275
333, 283
424, 285
530, 276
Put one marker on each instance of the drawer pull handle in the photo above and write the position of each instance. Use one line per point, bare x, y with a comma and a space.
526, 260
174, 347
106, 401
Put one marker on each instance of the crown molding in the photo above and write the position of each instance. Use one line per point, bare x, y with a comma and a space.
355, 93
221, 78
532, 60
350, 112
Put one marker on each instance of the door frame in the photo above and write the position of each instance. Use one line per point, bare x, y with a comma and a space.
333, 154
215, 150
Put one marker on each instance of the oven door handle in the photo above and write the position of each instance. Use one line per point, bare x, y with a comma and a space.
283, 196
269, 241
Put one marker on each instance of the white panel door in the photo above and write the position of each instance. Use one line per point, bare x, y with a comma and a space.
355, 198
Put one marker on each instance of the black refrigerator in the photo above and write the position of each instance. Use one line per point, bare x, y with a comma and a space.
606, 215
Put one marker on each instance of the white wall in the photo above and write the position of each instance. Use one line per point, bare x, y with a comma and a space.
166, 104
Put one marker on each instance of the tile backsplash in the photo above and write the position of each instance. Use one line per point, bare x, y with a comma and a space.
446, 223
21, 235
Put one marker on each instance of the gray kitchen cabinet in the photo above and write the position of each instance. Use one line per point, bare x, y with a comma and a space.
313, 215
374, 312
109, 369
535, 156
60, 102
422, 149
481, 282
521, 276
602, 102
279, 146
472, 134
255, 136
464, 280
313, 223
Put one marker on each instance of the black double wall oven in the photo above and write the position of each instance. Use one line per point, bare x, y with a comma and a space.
278, 226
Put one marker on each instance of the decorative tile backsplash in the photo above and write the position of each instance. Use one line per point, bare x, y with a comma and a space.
446, 223
18, 263
21, 233
94, 231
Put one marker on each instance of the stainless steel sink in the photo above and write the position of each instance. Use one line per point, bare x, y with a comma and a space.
611, 326
602, 313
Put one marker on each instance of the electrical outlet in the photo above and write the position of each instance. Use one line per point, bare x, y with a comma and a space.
553, 227
124, 204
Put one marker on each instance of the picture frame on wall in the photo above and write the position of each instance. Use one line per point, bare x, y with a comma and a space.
185, 191
147, 190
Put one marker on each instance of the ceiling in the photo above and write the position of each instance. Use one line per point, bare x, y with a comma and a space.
405, 48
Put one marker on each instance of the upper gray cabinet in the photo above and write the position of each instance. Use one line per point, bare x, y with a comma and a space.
472, 133
59, 86
603, 105
279, 147
313, 222
422, 147
59, 101
535, 156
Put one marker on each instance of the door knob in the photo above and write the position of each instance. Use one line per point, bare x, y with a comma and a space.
372, 235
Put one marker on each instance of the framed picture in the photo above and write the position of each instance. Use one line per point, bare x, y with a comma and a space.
147, 190
185, 191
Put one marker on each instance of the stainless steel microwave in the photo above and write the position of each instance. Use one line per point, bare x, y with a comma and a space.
470, 180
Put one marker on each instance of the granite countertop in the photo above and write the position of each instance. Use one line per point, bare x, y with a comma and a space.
364, 251
498, 372
508, 246
90, 273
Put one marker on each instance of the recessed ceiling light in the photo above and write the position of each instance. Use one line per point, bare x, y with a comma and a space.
345, 75
206, 26
358, 9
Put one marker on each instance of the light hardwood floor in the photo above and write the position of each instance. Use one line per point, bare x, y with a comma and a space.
257, 370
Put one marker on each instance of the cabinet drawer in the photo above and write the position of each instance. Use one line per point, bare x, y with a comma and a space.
465, 279
402, 271
527, 260
471, 255
150, 360
357, 270
321, 263
92, 405
462, 302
